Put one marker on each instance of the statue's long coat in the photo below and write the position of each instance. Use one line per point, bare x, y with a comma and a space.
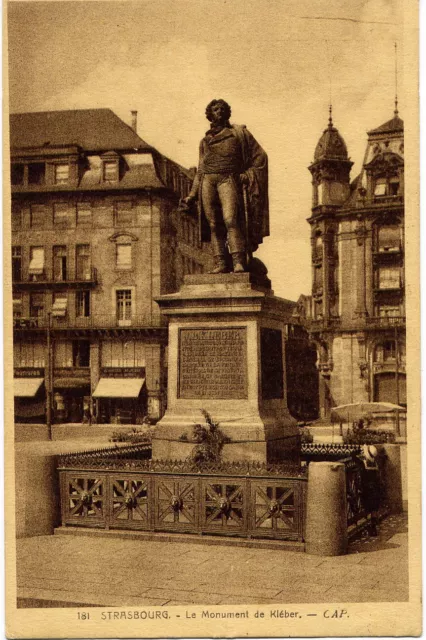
255, 166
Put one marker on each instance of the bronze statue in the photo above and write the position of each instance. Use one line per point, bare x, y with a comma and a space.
231, 187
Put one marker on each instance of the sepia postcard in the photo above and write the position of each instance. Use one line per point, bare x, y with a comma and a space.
211, 318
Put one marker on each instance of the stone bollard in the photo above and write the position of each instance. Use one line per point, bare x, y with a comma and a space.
393, 479
326, 525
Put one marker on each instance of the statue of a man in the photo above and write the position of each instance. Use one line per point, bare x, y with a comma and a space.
231, 187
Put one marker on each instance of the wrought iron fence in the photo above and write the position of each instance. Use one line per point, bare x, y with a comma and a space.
358, 510
127, 492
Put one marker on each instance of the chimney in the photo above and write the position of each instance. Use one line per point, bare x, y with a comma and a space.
134, 121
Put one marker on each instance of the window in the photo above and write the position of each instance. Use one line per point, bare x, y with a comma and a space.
16, 264
110, 171
81, 353
36, 268
61, 173
389, 278
82, 304
17, 174
16, 217
123, 213
83, 262
124, 256
119, 353
60, 263
387, 186
389, 238
37, 216
63, 353
36, 173
17, 305
60, 303
389, 350
380, 187
29, 354
36, 305
62, 214
84, 213
124, 306
389, 311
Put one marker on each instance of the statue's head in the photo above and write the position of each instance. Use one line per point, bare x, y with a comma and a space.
210, 109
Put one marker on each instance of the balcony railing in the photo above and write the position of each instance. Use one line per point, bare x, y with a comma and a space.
45, 280
96, 321
386, 321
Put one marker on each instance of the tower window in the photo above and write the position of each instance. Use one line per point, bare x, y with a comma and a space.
389, 238
389, 278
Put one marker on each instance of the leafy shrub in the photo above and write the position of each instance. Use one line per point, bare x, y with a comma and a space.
135, 436
209, 440
306, 436
368, 436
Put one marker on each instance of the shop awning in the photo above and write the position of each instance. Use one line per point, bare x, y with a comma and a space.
59, 307
119, 387
26, 387
37, 262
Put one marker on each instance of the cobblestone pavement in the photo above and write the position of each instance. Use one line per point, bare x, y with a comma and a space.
101, 571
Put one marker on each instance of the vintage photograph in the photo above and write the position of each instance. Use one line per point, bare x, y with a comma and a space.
211, 318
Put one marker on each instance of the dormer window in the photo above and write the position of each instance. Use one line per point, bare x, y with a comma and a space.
110, 168
17, 174
387, 186
61, 173
36, 173
110, 171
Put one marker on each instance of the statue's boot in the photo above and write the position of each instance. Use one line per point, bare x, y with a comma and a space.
220, 265
218, 248
239, 262
237, 249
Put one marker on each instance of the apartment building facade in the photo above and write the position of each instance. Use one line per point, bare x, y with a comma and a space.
96, 237
356, 313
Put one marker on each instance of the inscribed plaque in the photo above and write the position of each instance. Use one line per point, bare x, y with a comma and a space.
213, 363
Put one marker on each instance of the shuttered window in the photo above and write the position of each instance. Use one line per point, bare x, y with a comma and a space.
124, 256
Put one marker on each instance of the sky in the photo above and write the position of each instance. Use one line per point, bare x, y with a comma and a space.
278, 63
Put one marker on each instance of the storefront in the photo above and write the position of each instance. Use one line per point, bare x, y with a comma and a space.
30, 397
120, 400
71, 401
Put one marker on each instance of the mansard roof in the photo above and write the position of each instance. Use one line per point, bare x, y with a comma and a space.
91, 129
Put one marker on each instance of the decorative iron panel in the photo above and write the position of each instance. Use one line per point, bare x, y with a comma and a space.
176, 504
224, 505
277, 511
129, 502
84, 499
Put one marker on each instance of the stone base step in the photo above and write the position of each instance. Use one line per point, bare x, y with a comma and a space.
190, 538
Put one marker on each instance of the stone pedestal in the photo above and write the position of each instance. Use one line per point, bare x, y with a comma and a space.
227, 336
